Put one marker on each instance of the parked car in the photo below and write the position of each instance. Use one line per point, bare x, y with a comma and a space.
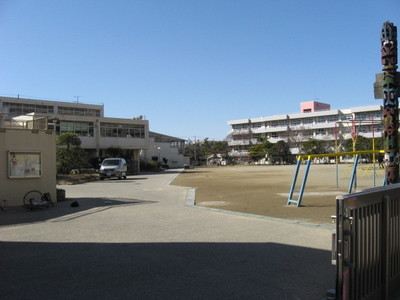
113, 167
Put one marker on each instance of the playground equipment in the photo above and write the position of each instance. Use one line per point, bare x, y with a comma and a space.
309, 158
345, 129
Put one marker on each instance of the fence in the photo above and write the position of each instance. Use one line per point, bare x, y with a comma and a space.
366, 245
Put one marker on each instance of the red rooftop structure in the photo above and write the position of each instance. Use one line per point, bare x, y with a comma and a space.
313, 106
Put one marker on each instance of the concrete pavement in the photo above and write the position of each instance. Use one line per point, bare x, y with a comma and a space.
136, 239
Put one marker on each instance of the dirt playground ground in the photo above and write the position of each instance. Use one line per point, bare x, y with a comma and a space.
263, 190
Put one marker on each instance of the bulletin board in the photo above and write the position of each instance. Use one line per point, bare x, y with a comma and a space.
24, 164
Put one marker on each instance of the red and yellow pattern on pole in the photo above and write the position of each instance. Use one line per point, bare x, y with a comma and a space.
390, 102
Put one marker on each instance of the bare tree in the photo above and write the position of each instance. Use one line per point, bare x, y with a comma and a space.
295, 138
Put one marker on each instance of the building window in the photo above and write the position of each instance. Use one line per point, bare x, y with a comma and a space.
282, 123
305, 133
79, 128
256, 125
45, 109
362, 116
258, 136
77, 111
333, 118
295, 122
18, 109
274, 135
364, 129
347, 117
241, 126
320, 131
377, 115
321, 120
308, 121
122, 130
330, 131
175, 144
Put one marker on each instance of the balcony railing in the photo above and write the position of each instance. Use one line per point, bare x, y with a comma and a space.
240, 131
239, 153
242, 142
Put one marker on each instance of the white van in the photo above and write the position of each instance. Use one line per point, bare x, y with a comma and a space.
113, 167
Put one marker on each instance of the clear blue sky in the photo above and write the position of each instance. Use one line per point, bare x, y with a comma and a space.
190, 66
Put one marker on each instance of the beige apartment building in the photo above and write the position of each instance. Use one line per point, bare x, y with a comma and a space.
96, 132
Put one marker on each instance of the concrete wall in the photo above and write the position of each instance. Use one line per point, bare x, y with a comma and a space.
164, 150
18, 140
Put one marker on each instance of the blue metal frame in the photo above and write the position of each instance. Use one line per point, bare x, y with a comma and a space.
353, 179
296, 172
353, 175
303, 184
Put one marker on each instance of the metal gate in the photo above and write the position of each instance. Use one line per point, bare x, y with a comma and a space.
366, 244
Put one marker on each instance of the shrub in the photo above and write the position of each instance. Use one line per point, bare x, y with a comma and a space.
153, 166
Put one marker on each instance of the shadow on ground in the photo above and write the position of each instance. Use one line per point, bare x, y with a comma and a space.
21, 215
163, 271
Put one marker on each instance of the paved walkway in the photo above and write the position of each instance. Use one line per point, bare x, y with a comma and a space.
136, 239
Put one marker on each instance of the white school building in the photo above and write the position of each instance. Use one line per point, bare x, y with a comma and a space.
315, 120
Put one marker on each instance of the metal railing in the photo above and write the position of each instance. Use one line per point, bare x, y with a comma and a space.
366, 244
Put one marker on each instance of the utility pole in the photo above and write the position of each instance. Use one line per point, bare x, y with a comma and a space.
390, 101
195, 149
